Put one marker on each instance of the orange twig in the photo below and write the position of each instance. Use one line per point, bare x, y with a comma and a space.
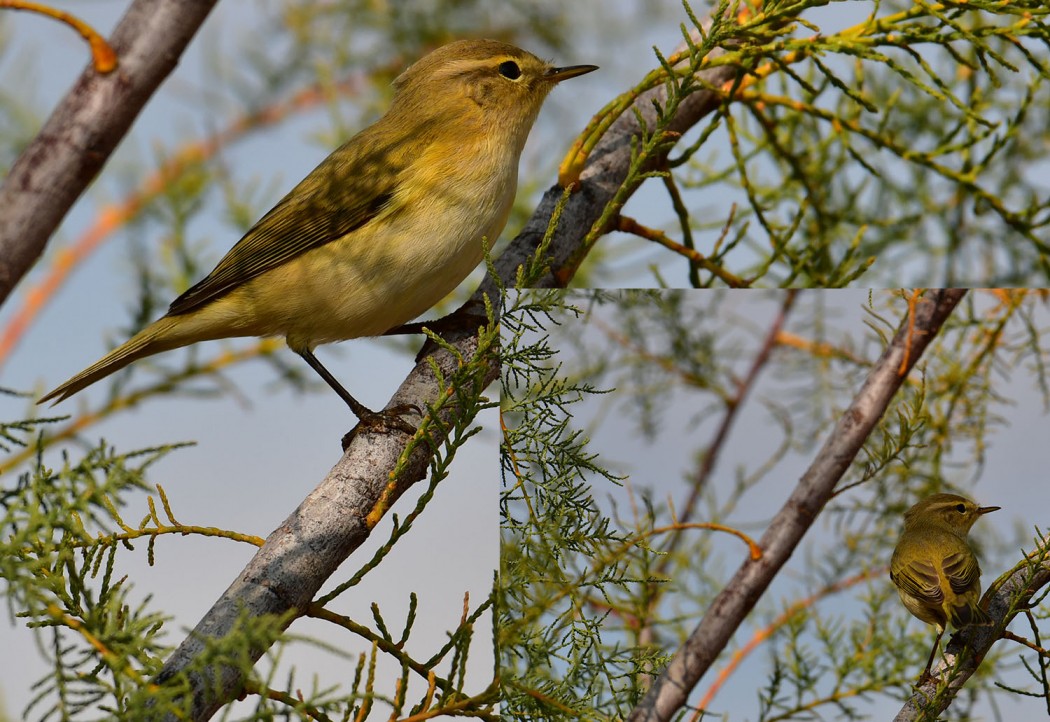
818, 349
626, 224
766, 632
913, 299
102, 54
754, 550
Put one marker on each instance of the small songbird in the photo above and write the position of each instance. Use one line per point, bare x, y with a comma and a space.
381, 230
935, 569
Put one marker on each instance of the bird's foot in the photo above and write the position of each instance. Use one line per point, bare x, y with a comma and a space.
384, 421
925, 678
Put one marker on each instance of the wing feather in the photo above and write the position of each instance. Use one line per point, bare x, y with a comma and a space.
347, 190
920, 580
962, 571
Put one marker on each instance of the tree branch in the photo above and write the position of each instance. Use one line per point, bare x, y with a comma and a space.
86, 127
334, 520
1009, 595
331, 523
815, 488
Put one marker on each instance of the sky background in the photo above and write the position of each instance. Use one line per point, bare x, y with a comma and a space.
1011, 477
259, 453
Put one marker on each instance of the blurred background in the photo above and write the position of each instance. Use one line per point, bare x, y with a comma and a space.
264, 92
708, 407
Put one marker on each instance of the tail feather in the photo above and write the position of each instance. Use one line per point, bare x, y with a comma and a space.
968, 612
158, 336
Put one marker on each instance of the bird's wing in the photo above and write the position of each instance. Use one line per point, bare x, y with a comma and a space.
347, 190
962, 571
964, 577
920, 580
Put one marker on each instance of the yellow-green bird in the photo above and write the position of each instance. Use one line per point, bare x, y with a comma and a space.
383, 228
935, 569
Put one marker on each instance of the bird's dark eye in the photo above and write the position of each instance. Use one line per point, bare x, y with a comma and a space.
961, 508
509, 69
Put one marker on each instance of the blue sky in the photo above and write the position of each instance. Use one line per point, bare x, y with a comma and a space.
258, 454
1012, 475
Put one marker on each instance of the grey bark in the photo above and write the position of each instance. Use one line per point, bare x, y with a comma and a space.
86, 127
308, 547
692, 660
333, 521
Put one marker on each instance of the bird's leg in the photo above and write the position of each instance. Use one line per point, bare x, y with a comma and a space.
362, 412
933, 653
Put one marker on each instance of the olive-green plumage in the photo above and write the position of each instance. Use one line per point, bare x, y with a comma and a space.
384, 227
933, 566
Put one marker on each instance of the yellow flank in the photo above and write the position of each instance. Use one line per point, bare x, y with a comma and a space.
383, 228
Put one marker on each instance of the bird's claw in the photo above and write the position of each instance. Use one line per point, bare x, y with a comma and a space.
384, 421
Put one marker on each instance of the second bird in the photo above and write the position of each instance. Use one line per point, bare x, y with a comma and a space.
383, 228
933, 567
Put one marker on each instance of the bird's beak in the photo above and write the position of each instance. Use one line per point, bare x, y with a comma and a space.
986, 509
557, 75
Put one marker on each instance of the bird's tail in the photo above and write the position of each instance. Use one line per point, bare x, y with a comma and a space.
162, 335
968, 613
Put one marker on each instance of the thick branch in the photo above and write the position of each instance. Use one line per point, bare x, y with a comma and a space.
333, 521
308, 547
969, 646
85, 128
671, 689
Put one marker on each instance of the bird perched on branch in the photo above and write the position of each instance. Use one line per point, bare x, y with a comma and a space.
934, 568
381, 230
